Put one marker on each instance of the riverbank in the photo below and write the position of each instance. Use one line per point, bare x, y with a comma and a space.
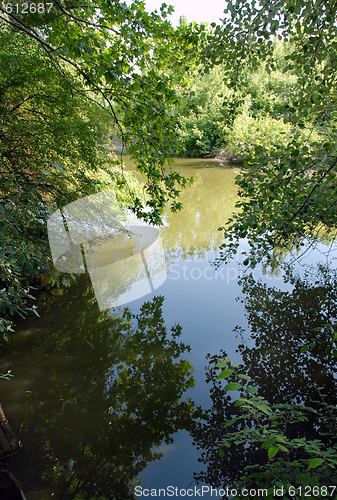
227, 158
222, 156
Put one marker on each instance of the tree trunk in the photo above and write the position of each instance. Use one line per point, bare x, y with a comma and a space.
8, 442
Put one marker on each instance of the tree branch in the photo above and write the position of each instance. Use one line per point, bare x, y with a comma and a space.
22, 102
312, 192
75, 18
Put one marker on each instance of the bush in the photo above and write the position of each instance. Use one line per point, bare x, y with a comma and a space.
250, 137
201, 114
293, 465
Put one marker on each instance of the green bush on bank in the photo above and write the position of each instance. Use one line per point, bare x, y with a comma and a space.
263, 136
251, 136
200, 115
248, 121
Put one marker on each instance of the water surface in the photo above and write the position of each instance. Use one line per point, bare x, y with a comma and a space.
98, 395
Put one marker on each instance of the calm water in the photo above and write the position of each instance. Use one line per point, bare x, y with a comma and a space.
96, 395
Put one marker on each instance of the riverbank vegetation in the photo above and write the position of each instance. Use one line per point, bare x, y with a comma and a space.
52, 154
288, 194
245, 121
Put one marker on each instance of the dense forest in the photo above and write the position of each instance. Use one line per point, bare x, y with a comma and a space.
258, 91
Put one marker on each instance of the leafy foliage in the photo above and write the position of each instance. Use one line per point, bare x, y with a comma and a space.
201, 112
286, 390
50, 155
71, 76
116, 53
247, 121
251, 137
290, 460
291, 194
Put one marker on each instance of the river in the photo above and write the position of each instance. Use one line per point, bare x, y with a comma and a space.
96, 395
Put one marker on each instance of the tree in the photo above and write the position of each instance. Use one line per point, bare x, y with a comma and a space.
243, 122
290, 194
50, 155
199, 116
117, 53
72, 76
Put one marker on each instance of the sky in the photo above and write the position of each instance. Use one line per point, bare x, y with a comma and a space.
194, 10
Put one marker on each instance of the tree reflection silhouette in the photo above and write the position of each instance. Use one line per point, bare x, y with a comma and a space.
280, 322
106, 390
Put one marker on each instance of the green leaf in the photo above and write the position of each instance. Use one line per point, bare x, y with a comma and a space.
315, 462
225, 373
221, 453
263, 409
252, 390
245, 377
283, 448
267, 444
240, 402
272, 452
233, 386
230, 422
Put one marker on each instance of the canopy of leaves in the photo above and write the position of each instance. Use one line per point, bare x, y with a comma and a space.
117, 52
70, 77
290, 192
50, 155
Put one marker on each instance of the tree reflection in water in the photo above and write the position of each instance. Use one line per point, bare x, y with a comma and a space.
106, 390
281, 323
